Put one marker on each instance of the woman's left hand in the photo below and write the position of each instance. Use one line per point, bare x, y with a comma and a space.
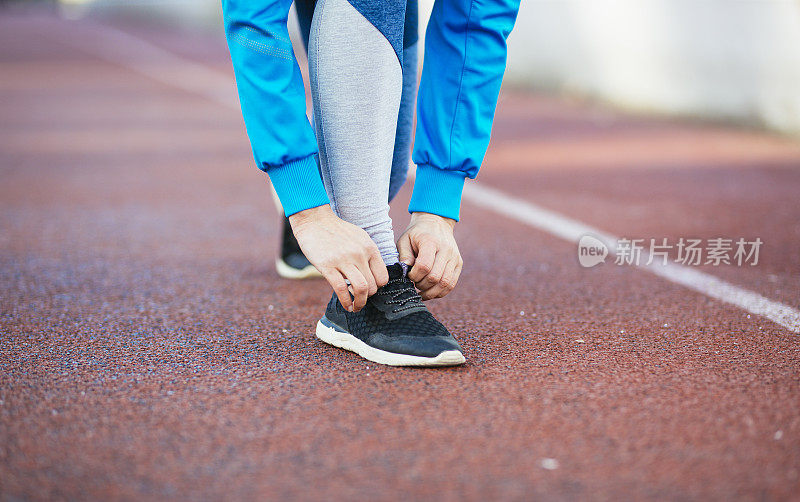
428, 245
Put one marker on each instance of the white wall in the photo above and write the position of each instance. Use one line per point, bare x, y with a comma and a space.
729, 59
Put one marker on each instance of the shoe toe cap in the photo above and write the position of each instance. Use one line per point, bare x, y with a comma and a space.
423, 346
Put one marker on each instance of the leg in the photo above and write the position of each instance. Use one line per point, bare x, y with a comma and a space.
356, 86
291, 262
405, 118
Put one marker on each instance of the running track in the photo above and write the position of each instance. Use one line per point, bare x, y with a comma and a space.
149, 351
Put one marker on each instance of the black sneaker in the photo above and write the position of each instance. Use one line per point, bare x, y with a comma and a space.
394, 328
292, 263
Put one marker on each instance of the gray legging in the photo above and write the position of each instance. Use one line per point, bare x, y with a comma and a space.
357, 83
405, 119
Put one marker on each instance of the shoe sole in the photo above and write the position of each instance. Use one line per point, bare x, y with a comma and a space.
289, 272
346, 341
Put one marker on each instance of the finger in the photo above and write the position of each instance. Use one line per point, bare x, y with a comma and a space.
358, 285
336, 280
457, 272
378, 269
436, 273
431, 293
449, 279
366, 270
424, 261
405, 250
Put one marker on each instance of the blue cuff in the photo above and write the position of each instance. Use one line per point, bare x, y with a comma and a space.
298, 185
437, 191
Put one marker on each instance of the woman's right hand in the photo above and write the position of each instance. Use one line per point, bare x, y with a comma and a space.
340, 250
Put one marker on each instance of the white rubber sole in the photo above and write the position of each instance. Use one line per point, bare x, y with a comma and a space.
349, 342
288, 272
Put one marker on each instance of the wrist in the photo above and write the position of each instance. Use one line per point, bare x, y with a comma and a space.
310, 216
420, 216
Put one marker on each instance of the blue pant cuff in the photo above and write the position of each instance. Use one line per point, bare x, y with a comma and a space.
437, 191
298, 185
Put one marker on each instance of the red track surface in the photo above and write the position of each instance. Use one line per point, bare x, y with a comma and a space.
149, 350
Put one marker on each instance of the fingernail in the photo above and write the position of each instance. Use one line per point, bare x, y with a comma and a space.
350, 308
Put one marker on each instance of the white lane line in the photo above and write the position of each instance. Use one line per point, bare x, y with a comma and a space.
572, 230
163, 66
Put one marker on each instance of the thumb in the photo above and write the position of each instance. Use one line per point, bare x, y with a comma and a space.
405, 251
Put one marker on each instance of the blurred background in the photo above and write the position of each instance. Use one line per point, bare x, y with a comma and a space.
150, 351
731, 60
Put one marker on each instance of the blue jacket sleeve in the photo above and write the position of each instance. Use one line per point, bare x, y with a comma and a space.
273, 103
465, 58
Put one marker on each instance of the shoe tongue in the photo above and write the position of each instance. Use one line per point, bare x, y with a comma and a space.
396, 270
397, 299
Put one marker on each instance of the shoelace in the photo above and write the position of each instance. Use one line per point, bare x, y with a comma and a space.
407, 287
